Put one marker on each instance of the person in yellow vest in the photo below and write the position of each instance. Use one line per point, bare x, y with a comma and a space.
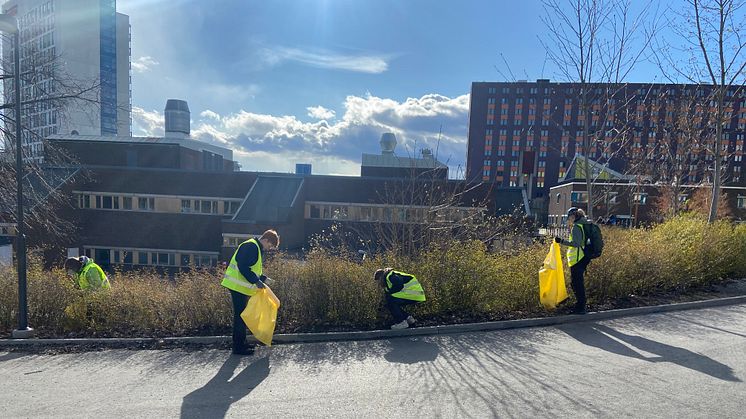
88, 275
401, 289
243, 277
576, 257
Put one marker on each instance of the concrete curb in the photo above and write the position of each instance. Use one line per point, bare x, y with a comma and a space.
383, 334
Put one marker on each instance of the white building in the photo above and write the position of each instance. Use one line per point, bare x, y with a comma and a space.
72, 46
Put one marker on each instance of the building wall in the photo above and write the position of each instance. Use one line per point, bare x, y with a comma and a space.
526, 133
630, 204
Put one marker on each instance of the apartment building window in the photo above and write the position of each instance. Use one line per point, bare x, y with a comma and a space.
741, 202
146, 204
205, 207
533, 90
640, 198
142, 258
492, 90
84, 201
127, 202
578, 197
186, 205
517, 122
486, 163
547, 101
165, 259
491, 101
505, 90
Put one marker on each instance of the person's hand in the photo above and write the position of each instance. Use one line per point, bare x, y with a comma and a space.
263, 278
558, 240
259, 284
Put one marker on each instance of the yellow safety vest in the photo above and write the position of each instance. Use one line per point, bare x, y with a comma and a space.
99, 280
412, 289
575, 254
233, 278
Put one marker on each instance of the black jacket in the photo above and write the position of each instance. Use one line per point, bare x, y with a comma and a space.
246, 257
397, 281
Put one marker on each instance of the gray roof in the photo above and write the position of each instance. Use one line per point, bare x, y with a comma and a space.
269, 200
183, 142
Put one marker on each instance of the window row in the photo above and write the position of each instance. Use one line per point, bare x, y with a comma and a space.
388, 213
150, 257
157, 203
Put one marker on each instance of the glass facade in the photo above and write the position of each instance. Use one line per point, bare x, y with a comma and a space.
108, 62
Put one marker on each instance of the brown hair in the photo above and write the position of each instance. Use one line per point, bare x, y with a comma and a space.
579, 213
380, 274
272, 237
73, 264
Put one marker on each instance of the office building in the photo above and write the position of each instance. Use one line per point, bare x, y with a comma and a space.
70, 47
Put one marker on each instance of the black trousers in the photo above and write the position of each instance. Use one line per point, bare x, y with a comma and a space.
577, 273
239, 326
396, 306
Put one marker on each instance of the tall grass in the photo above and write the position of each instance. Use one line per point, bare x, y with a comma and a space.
463, 282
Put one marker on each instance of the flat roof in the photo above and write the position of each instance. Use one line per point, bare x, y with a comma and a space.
183, 142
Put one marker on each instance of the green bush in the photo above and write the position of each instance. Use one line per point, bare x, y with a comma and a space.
327, 290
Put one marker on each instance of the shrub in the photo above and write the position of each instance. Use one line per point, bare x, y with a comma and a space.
329, 289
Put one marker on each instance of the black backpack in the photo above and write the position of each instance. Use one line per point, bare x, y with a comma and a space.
594, 240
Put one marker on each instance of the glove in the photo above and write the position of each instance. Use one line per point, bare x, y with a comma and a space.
260, 283
558, 240
263, 278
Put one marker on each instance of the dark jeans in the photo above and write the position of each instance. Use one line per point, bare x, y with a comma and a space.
239, 327
577, 272
396, 306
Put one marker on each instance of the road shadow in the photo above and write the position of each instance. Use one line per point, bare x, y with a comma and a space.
215, 398
11, 356
412, 351
611, 340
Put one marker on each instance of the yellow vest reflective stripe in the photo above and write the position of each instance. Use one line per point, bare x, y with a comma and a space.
101, 282
412, 289
575, 254
234, 280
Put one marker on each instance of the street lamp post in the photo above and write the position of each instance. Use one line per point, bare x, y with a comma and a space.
9, 24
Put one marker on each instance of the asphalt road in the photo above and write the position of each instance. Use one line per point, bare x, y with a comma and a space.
681, 364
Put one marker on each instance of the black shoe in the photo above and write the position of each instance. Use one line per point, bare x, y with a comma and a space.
579, 311
246, 350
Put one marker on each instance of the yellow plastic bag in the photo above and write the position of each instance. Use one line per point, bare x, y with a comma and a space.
260, 314
552, 290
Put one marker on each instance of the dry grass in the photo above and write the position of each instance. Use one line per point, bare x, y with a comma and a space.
462, 280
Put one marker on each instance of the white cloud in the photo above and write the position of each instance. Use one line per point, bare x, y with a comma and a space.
373, 64
320, 112
144, 64
210, 115
276, 142
147, 123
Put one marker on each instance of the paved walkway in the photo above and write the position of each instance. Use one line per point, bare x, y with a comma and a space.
679, 364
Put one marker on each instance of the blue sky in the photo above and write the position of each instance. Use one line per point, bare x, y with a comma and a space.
318, 81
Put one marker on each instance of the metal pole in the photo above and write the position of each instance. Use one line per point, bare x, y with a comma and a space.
23, 330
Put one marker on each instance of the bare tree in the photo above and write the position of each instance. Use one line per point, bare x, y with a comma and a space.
595, 44
46, 91
713, 34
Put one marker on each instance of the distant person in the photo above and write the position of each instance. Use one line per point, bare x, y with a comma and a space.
243, 277
88, 275
576, 257
401, 289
